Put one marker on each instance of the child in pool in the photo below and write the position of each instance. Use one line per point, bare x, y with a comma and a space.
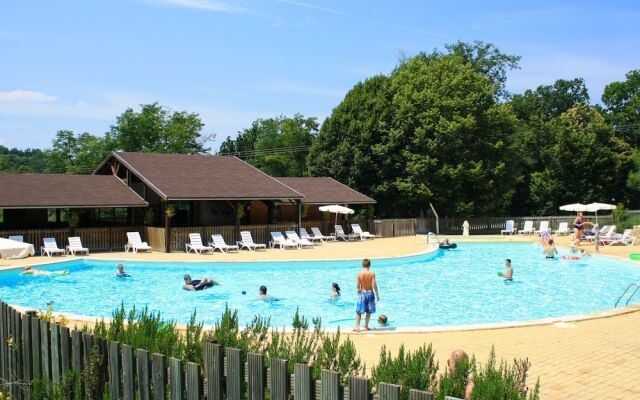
581, 253
383, 321
335, 291
121, 272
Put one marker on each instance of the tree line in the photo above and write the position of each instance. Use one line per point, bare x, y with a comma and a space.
440, 128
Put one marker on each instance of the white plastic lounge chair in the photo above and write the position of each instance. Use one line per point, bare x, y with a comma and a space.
291, 235
627, 238
248, 243
563, 229
358, 232
220, 244
195, 244
610, 236
544, 227
318, 234
509, 228
75, 246
341, 235
51, 247
528, 228
17, 238
135, 243
305, 235
603, 232
278, 239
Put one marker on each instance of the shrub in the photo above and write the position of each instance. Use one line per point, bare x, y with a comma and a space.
455, 383
299, 346
415, 370
337, 356
504, 381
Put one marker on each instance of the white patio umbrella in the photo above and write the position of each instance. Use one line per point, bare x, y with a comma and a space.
595, 207
575, 207
336, 209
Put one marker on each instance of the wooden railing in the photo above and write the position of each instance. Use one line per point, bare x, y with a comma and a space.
395, 227
33, 349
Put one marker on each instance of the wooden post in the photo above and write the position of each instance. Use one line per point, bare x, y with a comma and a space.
65, 349
420, 395
159, 377
76, 352
4, 335
358, 388
143, 369
194, 381
299, 215
235, 374
167, 229
330, 382
45, 334
128, 378
55, 354
256, 377
176, 378
303, 382
114, 369
36, 355
279, 379
387, 391
27, 357
214, 369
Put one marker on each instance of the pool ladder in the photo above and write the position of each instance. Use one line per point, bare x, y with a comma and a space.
630, 287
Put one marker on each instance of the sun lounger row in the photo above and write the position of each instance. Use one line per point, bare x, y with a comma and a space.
528, 229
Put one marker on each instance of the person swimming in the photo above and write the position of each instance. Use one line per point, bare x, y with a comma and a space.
121, 272
263, 294
581, 253
508, 276
28, 270
197, 284
383, 321
335, 290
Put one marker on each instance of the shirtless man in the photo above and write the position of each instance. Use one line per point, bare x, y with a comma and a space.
27, 270
366, 283
549, 247
197, 284
456, 359
509, 275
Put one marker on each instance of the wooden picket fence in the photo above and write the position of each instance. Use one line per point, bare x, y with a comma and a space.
31, 348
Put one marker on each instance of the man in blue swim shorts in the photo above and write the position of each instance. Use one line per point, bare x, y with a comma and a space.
366, 282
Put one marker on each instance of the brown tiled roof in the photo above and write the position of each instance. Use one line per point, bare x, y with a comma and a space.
325, 191
65, 191
203, 177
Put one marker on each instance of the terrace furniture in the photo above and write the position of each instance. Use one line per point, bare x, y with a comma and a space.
17, 238
305, 235
627, 238
528, 228
278, 239
592, 234
563, 229
195, 244
509, 228
135, 243
357, 231
10, 249
220, 244
317, 234
611, 235
75, 246
341, 235
544, 227
248, 243
291, 235
50, 247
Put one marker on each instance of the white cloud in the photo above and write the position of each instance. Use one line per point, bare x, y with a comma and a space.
311, 6
208, 5
301, 89
26, 96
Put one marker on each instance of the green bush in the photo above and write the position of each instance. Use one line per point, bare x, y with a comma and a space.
455, 383
506, 381
411, 370
334, 355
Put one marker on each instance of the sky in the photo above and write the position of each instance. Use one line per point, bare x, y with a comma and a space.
78, 64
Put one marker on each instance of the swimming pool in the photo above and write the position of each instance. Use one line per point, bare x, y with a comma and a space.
448, 287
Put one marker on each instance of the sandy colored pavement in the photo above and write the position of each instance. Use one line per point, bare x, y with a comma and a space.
590, 359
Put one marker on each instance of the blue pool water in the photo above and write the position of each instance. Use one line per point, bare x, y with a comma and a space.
454, 287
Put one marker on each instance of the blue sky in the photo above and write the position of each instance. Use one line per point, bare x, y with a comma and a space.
78, 64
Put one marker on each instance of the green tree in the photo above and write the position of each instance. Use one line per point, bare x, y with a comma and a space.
156, 129
549, 101
14, 160
622, 107
76, 154
277, 146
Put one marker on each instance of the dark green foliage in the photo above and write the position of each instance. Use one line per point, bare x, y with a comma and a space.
14, 160
622, 107
411, 370
504, 381
298, 346
94, 377
454, 383
292, 135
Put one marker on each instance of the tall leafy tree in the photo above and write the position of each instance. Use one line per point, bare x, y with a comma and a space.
277, 146
156, 129
622, 107
14, 160
76, 154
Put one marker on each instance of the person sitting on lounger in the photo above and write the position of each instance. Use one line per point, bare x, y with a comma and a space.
508, 276
335, 291
197, 284
121, 272
27, 270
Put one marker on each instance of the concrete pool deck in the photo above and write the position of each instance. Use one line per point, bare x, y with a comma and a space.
594, 358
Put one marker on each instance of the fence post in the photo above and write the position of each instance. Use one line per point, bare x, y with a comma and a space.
256, 377
387, 391
358, 388
279, 379
235, 374
114, 368
65, 349
143, 372
4, 347
76, 352
87, 342
27, 358
159, 377
420, 395
330, 385
55, 353
176, 378
194, 381
36, 355
128, 378
45, 335
303, 382
214, 369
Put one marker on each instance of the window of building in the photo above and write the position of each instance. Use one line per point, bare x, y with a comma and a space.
52, 216
1, 216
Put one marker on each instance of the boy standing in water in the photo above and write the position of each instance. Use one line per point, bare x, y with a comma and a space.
366, 282
596, 234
